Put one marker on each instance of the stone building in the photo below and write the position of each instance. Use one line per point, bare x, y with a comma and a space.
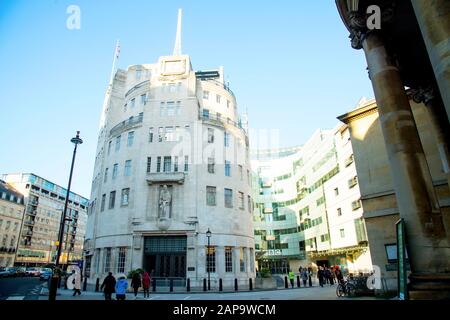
307, 206
11, 216
172, 163
44, 204
407, 45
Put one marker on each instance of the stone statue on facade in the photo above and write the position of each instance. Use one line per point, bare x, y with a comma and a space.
165, 203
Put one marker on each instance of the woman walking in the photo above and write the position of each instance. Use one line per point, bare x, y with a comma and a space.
121, 288
146, 284
136, 283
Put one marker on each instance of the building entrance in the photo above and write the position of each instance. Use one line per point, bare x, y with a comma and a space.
166, 256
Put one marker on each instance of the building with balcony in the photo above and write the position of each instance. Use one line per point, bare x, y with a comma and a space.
172, 163
44, 204
308, 210
11, 215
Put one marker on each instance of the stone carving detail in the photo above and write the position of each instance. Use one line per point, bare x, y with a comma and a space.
419, 95
165, 203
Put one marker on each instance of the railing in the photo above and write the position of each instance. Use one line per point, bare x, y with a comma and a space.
220, 84
126, 124
213, 117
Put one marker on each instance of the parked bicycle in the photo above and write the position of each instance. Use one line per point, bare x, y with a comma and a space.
346, 288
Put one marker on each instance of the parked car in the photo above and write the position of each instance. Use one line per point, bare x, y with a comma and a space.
3, 272
8, 272
21, 272
32, 272
46, 274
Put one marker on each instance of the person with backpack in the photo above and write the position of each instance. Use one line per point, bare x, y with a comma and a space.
108, 286
121, 288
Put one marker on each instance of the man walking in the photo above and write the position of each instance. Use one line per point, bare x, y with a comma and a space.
291, 277
108, 286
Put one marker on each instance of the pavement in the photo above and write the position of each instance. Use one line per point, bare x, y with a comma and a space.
308, 293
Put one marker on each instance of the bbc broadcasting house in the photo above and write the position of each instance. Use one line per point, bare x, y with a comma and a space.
172, 163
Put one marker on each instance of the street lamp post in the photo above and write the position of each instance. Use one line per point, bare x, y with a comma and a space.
56, 275
208, 235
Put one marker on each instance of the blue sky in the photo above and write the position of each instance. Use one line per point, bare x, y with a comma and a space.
289, 63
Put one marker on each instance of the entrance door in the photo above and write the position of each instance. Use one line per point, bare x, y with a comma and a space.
166, 256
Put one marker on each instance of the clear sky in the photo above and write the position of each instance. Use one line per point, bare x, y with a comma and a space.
289, 63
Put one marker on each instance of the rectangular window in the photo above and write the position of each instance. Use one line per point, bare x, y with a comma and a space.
339, 212
118, 143
217, 98
242, 259
167, 164
106, 175
241, 172
352, 182
186, 163
252, 261
249, 204
226, 139
228, 104
206, 95
342, 231
356, 205
241, 200
210, 135
107, 260
143, 99
162, 109
121, 259
206, 113
228, 198
138, 74
210, 196
150, 135
211, 165
175, 164
132, 103
125, 197
228, 259
112, 199
169, 134
158, 164
149, 164
170, 108
160, 134
130, 138
127, 171
102, 206
115, 170
336, 191
320, 201
227, 168
109, 147
211, 259
178, 108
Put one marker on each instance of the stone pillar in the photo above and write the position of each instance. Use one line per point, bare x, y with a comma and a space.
416, 199
434, 22
220, 261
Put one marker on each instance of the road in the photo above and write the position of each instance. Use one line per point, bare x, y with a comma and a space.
27, 288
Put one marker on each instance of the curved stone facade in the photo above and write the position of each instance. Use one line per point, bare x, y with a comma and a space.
172, 162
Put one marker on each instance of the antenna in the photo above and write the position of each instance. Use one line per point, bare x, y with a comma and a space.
177, 47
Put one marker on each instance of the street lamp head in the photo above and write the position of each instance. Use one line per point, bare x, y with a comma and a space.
208, 233
76, 140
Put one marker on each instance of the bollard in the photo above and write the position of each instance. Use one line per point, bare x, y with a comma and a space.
204, 284
235, 285
171, 285
250, 284
188, 285
154, 285
310, 281
286, 285
209, 284
85, 284
97, 285
220, 285
298, 281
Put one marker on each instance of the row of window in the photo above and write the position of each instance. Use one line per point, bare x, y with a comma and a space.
115, 171
124, 199
130, 141
211, 259
166, 163
218, 98
211, 198
8, 225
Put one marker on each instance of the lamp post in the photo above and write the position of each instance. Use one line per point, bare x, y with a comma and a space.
56, 275
208, 235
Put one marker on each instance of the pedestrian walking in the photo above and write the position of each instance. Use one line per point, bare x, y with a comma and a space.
339, 275
136, 283
108, 286
310, 276
146, 284
327, 275
332, 276
76, 283
291, 277
304, 276
320, 275
121, 288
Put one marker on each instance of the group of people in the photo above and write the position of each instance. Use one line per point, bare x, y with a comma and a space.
305, 275
110, 285
329, 275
